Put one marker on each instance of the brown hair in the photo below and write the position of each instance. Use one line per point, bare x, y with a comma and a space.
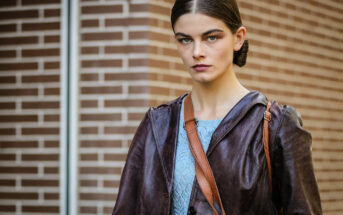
225, 10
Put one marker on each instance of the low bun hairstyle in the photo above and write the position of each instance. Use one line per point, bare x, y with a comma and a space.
225, 10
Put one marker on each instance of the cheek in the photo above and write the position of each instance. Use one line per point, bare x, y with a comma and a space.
183, 53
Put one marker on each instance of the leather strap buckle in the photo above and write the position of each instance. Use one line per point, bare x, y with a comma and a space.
267, 115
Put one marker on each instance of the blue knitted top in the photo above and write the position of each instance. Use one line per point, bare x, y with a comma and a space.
184, 174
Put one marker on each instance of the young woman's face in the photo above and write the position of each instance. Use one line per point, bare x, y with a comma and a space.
205, 45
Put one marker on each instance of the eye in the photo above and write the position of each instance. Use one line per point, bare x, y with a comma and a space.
185, 40
212, 38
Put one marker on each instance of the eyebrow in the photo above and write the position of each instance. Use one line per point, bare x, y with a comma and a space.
203, 34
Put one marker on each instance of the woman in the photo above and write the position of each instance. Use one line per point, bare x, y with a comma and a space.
159, 175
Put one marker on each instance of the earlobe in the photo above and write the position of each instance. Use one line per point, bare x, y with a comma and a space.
240, 38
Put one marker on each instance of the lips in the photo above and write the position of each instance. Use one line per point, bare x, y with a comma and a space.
201, 67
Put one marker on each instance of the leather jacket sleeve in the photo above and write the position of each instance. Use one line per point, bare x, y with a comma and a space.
297, 186
129, 182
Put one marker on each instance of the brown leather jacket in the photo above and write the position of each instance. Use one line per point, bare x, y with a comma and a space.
237, 159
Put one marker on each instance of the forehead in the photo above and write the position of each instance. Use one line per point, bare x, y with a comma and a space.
196, 23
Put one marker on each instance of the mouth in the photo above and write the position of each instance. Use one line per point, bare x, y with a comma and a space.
200, 67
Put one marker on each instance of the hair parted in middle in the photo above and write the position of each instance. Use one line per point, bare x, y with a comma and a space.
225, 10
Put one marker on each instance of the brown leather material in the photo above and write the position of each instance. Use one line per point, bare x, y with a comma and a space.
203, 169
267, 117
236, 155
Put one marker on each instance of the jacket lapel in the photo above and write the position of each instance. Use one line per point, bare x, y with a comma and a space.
235, 115
165, 125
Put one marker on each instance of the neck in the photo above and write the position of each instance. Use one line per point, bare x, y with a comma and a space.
215, 99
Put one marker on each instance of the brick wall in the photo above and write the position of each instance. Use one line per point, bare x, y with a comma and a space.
113, 94
128, 62
29, 106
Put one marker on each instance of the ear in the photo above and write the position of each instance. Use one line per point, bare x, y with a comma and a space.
239, 38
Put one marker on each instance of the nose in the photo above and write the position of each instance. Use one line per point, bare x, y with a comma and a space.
198, 51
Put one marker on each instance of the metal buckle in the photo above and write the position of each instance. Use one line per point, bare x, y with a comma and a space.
267, 115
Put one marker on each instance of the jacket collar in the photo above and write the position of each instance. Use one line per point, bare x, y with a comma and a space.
165, 123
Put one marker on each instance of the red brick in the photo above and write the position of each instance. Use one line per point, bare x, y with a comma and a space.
114, 157
51, 144
112, 183
126, 103
41, 26
89, 130
8, 28
101, 90
51, 170
20, 195
41, 105
89, 103
138, 89
101, 143
139, 8
18, 66
90, 23
40, 157
127, 22
40, 209
5, 183
51, 91
18, 118
52, 12
97, 196
51, 65
19, 14
7, 131
39, 183
101, 63
19, 170
138, 35
39, 2
18, 144
88, 210
138, 62
102, 36
126, 49
102, 9
40, 78
90, 50
89, 77
119, 130
126, 76
42, 131
8, 54
7, 80
8, 3
51, 39
40, 52
7, 208
100, 170
100, 117
89, 157
18, 92
88, 183
7, 105
7, 157
51, 196
136, 116
51, 118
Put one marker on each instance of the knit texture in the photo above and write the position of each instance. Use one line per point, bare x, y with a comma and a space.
184, 174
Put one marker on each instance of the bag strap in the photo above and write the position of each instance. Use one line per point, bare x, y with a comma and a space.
267, 117
203, 169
